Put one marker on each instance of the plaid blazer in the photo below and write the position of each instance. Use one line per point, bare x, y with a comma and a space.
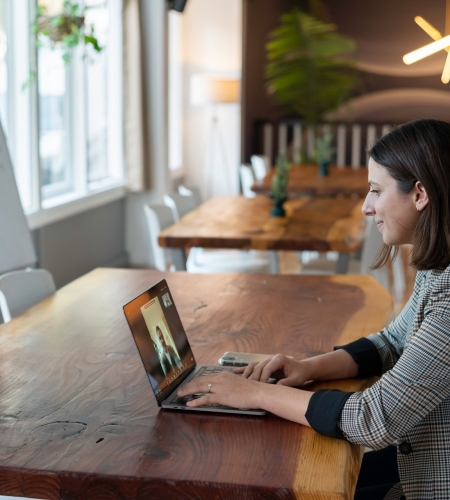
409, 406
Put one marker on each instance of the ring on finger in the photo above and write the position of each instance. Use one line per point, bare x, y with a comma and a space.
209, 388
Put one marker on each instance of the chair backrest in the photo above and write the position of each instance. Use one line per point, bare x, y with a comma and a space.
179, 204
247, 180
158, 218
20, 290
191, 191
372, 243
260, 164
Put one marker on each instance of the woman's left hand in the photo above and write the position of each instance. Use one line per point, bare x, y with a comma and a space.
226, 389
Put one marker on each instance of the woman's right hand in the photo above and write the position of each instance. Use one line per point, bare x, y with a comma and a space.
288, 371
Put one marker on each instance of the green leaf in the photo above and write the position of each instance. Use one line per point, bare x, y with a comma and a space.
280, 179
71, 40
66, 58
89, 39
71, 9
30, 80
57, 21
322, 148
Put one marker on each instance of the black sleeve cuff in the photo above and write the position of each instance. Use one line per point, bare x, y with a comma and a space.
365, 355
324, 411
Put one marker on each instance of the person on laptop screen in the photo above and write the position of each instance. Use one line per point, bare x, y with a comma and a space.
168, 357
405, 414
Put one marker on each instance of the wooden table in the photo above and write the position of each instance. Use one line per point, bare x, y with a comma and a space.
305, 180
320, 224
78, 419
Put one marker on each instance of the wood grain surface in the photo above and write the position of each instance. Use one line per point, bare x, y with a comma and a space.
305, 180
78, 419
236, 222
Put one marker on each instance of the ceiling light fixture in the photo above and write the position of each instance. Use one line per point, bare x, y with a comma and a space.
440, 43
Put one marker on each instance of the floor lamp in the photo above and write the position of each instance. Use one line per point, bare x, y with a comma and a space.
211, 91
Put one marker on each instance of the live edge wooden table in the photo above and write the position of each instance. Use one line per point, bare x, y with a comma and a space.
305, 180
78, 419
321, 224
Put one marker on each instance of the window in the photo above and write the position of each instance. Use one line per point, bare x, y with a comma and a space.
96, 96
54, 122
64, 129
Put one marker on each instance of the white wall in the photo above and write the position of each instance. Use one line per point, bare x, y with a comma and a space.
212, 45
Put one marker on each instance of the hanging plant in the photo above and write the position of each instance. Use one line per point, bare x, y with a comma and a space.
310, 68
65, 30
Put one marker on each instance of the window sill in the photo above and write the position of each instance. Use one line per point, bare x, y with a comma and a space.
65, 206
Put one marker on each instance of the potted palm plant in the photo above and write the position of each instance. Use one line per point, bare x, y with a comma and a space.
310, 67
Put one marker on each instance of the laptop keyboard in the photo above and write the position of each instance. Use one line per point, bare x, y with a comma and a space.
204, 372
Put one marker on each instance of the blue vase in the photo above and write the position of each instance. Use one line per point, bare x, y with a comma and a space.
278, 209
323, 167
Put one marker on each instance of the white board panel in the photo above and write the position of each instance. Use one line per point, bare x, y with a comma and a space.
16, 245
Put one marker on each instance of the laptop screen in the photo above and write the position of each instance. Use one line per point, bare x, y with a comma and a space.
160, 338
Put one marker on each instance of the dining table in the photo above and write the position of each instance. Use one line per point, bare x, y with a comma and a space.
79, 420
315, 224
306, 180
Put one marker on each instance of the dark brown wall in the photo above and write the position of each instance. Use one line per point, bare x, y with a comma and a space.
260, 17
384, 31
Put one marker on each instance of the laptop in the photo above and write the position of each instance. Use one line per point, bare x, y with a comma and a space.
165, 351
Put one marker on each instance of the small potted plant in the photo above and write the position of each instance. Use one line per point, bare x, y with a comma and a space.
65, 30
279, 185
323, 152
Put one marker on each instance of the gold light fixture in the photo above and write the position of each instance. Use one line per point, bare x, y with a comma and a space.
440, 43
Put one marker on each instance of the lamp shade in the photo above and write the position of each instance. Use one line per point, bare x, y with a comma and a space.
214, 90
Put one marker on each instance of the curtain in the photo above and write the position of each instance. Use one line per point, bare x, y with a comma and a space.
137, 162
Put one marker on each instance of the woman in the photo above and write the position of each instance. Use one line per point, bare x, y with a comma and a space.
409, 407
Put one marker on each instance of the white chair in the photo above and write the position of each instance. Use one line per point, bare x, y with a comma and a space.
325, 263
201, 260
159, 217
191, 191
372, 242
261, 165
20, 290
247, 180
180, 204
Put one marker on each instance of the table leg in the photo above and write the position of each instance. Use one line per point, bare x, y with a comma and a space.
178, 258
342, 263
274, 264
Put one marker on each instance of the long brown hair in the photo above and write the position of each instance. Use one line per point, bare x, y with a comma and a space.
420, 151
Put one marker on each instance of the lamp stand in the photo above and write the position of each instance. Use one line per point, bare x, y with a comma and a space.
215, 138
